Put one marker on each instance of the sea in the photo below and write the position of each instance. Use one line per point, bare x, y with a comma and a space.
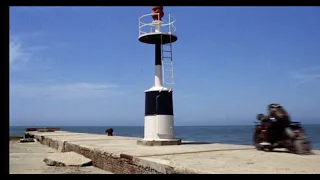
241, 134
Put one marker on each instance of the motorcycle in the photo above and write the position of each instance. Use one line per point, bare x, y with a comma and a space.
292, 138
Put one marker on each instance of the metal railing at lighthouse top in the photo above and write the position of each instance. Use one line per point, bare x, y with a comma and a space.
146, 25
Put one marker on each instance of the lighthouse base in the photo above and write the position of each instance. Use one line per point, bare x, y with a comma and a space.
159, 142
158, 119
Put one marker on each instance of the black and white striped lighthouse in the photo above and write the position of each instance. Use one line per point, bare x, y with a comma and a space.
159, 121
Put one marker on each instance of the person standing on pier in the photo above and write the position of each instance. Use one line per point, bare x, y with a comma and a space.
109, 132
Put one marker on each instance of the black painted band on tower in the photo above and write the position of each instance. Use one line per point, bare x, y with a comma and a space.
158, 103
158, 54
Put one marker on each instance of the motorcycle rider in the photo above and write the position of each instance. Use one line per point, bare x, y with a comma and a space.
281, 120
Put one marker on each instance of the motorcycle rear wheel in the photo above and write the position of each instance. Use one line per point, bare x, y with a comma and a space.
301, 145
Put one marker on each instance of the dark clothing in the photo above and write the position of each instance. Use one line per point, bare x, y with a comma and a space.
282, 120
277, 129
109, 132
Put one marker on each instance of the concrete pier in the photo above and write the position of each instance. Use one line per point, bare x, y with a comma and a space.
27, 158
122, 155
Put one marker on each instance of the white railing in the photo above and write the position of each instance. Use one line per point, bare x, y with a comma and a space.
146, 24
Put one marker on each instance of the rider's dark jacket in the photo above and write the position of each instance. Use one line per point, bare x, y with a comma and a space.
282, 119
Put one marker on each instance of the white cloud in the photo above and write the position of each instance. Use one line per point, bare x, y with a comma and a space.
17, 52
72, 90
21, 53
307, 75
27, 35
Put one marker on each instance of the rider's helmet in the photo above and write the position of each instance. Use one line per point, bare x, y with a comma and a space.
276, 110
272, 108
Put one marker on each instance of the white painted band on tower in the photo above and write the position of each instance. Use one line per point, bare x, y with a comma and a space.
158, 127
158, 76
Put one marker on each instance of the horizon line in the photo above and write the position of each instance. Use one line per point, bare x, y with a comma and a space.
141, 125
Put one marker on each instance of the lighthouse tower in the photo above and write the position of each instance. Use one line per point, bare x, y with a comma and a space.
158, 120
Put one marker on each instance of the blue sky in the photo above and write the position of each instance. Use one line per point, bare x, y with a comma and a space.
85, 65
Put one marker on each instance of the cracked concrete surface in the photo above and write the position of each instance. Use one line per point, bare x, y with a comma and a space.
27, 158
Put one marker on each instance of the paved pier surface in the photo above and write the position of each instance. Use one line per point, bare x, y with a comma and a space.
122, 155
27, 158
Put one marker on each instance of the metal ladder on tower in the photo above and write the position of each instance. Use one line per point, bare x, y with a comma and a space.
167, 65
